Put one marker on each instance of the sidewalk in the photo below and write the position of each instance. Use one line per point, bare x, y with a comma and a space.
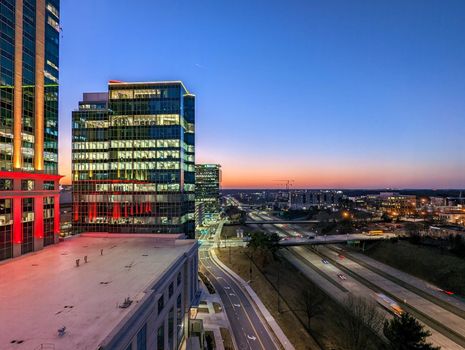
213, 321
279, 334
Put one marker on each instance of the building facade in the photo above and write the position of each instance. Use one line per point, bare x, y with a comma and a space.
207, 190
133, 159
304, 199
29, 193
127, 291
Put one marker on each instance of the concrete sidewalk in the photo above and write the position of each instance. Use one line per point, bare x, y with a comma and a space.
213, 321
265, 314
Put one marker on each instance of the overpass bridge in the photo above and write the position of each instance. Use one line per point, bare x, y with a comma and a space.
277, 221
331, 239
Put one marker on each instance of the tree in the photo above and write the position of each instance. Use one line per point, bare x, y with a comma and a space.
406, 333
413, 230
235, 215
360, 320
265, 243
311, 303
386, 218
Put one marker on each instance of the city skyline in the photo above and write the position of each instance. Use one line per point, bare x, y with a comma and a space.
365, 95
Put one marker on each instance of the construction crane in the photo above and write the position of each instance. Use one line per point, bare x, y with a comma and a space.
288, 184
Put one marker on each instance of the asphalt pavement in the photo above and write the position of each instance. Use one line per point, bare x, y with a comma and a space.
248, 329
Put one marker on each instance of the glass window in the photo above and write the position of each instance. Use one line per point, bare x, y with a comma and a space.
178, 279
161, 304
179, 315
142, 338
27, 185
171, 290
171, 328
161, 338
49, 185
6, 184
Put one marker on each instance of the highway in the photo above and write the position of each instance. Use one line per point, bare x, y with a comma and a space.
436, 312
249, 330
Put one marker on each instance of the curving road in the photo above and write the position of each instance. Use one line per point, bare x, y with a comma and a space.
248, 329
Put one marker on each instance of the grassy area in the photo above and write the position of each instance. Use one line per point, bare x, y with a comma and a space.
229, 231
288, 322
445, 270
324, 330
227, 340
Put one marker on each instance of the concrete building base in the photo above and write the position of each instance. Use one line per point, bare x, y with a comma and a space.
16, 249
38, 243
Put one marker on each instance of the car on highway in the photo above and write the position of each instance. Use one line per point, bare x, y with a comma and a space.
341, 276
324, 261
389, 304
448, 292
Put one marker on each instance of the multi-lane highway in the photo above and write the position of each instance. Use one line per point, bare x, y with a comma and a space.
443, 314
248, 328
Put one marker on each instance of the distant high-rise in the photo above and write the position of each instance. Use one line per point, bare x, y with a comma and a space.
207, 189
133, 159
29, 193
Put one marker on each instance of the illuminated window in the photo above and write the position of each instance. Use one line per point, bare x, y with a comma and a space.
27, 185
6, 184
53, 10
53, 23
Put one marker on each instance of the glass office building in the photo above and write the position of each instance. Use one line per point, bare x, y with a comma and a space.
29, 193
207, 191
133, 159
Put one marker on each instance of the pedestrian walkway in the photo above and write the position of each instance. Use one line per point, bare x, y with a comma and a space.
213, 321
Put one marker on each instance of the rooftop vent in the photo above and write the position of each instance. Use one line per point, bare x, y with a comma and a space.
126, 303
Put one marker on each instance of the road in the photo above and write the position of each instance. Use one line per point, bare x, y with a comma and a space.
248, 329
447, 327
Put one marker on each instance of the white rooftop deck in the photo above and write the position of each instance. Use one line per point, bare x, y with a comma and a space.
44, 291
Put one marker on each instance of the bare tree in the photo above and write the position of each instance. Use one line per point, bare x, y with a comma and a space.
360, 320
311, 304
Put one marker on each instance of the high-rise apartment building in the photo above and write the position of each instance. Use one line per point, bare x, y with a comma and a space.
29, 193
133, 159
207, 189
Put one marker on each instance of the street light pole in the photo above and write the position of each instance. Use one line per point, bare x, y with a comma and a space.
279, 308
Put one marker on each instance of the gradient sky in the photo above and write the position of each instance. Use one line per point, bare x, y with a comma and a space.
332, 94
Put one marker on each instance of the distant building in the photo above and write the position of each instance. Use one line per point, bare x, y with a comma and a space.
444, 231
437, 201
304, 199
29, 197
207, 189
452, 215
101, 291
398, 205
133, 159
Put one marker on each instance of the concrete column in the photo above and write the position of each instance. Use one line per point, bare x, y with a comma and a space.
56, 217
38, 223
17, 226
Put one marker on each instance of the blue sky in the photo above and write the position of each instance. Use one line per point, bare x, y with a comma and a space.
329, 93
